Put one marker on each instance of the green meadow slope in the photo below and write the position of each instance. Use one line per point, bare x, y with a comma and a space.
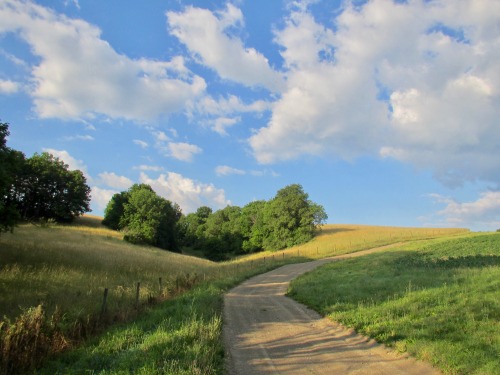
52, 282
436, 300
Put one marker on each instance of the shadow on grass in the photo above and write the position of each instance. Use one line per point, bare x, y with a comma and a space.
329, 231
468, 261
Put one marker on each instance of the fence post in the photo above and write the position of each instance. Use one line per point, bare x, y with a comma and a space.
159, 281
104, 300
137, 295
283, 255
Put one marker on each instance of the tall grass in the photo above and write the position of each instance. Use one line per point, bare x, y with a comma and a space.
52, 280
438, 301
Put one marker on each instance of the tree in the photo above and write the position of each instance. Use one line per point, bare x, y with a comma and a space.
114, 210
46, 189
11, 162
145, 217
223, 230
252, 226
291, 218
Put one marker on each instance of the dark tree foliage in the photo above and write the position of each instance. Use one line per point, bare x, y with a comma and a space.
290, 218
47, 190
11, 162
145, 217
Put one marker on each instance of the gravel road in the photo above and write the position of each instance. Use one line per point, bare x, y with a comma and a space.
268, 333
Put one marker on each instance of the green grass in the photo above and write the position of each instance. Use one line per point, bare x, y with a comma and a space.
437, 300
66, 268
180, 336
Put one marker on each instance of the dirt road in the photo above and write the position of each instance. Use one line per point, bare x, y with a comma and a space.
268, 333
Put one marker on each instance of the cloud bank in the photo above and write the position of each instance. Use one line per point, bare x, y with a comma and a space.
416, 81
80, 75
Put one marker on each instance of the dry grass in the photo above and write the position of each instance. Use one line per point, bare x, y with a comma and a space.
337, 239
66, 268
69, 266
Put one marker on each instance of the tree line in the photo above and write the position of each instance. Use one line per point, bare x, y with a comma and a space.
38, 188
42, 188
288, 219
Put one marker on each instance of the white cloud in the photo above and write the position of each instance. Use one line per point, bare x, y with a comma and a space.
207, 37
160, 136
416, 81
8, 87
140, 143
111, 179
153, 168
482, 214
187, 193
222, 123
183, 151
80, 75
178, 150
101, 198
220, 114
79, 138
224, 106
225, 170
72, 163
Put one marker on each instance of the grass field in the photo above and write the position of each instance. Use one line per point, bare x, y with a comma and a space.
64, 269
436, 300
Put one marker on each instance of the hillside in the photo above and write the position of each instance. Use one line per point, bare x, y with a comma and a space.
64, 269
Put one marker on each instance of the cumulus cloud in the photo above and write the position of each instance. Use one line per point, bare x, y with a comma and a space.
187, 193
80, 75
481, 214
141, 144
8, 87
111, 179
153, 168
183, 151
207, 36
178, 150
416, 81
225, 170
223, 112
79, 137
101, 198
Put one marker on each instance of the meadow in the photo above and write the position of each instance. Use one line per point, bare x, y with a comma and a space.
435, 300
52, 282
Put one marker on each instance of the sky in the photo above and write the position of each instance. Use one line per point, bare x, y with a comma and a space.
387, 112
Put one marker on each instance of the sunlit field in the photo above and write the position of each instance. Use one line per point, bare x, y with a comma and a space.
69, 266
54, 276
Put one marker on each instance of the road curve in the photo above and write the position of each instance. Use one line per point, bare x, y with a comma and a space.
266, 332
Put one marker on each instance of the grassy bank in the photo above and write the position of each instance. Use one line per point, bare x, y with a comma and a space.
52, 281
436, 300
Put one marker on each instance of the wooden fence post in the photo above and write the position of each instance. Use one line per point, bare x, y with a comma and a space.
104, 301
137, 295
159, 281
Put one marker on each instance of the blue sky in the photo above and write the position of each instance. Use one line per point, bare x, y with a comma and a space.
386, 112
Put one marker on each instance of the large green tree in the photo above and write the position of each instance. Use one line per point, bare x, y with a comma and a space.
253, 227
291, 218
46, 189
145, 217
11, 162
